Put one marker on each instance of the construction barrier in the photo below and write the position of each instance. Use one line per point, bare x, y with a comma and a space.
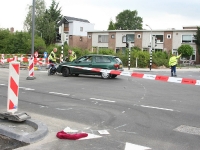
13, 87
31, 68
141, 75
22, 59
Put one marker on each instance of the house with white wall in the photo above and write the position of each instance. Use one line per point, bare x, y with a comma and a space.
74, 31
168, 40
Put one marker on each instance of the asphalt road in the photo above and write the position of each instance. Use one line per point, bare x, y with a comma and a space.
137, 113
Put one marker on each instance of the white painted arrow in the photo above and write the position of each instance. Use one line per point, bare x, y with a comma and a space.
130, 146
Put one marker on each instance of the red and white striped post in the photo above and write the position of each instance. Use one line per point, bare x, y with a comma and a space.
31, 69
13, 87
2, 58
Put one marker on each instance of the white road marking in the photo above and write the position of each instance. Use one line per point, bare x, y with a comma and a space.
157, 108
103, 132
2, 84
63, 109
59, 93
90, 136
120, 126
130, 146
102, 100
29, 89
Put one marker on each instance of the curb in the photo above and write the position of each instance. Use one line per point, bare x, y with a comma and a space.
40, 133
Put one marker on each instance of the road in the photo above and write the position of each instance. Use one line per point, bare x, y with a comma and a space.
134, 112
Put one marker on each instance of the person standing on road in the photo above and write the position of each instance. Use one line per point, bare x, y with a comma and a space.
71, 55
173, 63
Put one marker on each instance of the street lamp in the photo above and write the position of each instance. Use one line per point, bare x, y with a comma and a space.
150, 62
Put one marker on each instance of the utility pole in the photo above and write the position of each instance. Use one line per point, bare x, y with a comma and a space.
150, 61
128, 45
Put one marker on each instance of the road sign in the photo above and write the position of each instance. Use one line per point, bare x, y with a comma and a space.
45, 54
36, 54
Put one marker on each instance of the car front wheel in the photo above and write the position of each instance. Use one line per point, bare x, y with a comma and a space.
65, 72
105, 75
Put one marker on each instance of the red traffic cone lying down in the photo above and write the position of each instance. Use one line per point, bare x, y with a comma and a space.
76, 136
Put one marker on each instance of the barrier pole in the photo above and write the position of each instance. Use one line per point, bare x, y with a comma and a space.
31, 69
13, 87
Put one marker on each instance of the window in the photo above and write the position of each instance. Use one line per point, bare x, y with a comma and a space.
112, 36
124, 39
188, 39
139, 36
168, 36
87, 59
102, 59
193, 57
159, 38
89, 36
175, 51
103, 38
145, 49
81, 38
130, 38
81, 28
66, 25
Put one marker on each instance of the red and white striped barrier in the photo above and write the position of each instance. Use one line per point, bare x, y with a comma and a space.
2, 58
31, 68
37, 61
13, 87
145, 76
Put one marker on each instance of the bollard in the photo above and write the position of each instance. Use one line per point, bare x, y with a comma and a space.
13, 87
13, 92
31, 69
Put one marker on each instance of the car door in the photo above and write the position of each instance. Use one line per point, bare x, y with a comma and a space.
102, 62
85, 61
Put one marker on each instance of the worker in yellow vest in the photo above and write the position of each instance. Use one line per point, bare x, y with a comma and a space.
71, 55
52, 56
172, 63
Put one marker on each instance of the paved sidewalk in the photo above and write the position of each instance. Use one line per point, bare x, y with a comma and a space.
156, 70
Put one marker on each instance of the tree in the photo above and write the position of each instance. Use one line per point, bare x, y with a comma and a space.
111, 25
186, 50
40, 8
50, 22
19, 42
4, 40
46, 20
197, 39
128, 20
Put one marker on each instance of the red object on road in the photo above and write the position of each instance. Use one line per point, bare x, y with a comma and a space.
76, 136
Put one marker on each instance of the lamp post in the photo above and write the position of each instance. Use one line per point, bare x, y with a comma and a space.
150, 62
31, 64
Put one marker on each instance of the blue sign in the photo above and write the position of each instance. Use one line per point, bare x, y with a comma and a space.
45, 54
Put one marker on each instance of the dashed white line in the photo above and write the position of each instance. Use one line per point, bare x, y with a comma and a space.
59, 93
120, 126
157, 108
103, 100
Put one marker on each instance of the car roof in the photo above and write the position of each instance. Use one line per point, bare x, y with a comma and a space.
100, 55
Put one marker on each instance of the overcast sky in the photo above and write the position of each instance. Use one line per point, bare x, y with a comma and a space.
158, 14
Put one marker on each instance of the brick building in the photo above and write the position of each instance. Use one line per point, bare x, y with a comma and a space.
167, 40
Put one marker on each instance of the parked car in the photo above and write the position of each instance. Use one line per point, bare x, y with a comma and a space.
92, 61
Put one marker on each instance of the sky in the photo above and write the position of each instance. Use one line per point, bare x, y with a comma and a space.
157, 14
